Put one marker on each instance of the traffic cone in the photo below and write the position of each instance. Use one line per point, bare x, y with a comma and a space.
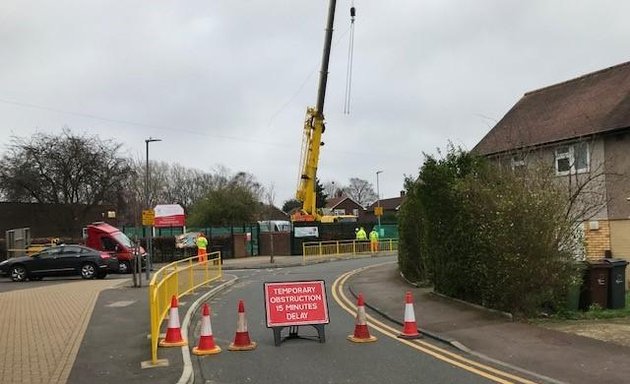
173, 333
410, 330
206, 344
241, 340
361, 332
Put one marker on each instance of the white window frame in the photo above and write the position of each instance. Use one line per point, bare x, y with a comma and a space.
570, 154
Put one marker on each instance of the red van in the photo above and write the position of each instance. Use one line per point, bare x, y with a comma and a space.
107, 238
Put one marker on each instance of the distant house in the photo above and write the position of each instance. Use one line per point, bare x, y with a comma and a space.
582, 128
344, 205
390, 206
271, 212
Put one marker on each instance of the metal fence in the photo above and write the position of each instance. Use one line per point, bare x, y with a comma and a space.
178, 279
323, 249
221, 237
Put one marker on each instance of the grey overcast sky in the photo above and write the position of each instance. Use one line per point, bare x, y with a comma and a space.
225, 82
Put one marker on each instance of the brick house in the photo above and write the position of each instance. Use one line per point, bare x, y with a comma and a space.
582, 128
390, 206
344, 205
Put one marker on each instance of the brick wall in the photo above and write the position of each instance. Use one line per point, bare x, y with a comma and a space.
597, 234
51, 220
281, 244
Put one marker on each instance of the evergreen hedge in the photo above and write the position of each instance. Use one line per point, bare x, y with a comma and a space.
487, 235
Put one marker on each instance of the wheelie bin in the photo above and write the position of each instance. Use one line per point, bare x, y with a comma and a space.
617, 283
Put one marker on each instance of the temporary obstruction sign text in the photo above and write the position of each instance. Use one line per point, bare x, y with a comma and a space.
296, 303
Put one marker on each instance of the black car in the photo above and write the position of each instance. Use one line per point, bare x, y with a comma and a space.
62, 260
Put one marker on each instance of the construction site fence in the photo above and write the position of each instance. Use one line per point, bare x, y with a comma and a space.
325, 249
178, 279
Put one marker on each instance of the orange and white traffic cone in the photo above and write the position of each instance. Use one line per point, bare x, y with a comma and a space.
241, 340
206, 345
173, 333
361, 331
410, 329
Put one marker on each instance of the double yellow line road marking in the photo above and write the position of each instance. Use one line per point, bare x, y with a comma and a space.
422, 346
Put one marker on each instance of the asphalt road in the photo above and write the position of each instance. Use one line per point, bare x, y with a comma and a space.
308, 361
8, 285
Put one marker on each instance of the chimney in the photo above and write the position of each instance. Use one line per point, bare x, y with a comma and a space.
402, 193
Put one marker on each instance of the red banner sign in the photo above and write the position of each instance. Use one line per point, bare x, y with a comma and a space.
169, 215
296, 303
170, 221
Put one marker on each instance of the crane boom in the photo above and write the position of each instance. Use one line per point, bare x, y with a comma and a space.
323, 73
313, 129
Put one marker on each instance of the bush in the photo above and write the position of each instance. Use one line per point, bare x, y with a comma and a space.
483, 234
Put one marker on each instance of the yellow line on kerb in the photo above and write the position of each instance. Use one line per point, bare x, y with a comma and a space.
422, 346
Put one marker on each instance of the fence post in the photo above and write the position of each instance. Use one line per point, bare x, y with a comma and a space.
153, 313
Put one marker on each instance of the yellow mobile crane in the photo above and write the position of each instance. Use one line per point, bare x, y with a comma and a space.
312, 140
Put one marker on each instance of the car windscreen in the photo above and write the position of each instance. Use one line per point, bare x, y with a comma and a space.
123, 239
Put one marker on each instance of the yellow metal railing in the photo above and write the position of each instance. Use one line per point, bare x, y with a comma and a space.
178, 278
316, 249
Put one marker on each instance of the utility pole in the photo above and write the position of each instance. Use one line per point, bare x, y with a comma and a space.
146, 197
378, 202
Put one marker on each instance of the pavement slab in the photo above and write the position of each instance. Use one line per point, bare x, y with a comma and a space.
42, 329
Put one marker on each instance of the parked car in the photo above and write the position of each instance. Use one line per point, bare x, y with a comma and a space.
63, 260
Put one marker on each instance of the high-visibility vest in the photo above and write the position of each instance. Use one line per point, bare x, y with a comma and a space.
373, 235
202, 242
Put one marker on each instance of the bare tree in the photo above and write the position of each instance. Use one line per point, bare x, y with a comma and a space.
79, 170
579, 173
361, 191
64, 169
333, 188
168, 184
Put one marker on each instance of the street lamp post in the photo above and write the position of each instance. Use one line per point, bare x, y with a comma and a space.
378, 202
146, 197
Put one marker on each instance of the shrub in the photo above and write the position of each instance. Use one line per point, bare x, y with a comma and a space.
487, 235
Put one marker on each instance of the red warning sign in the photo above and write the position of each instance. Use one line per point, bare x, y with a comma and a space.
296, 303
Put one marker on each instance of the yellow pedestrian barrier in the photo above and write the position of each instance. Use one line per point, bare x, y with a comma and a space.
177, 279
326, 249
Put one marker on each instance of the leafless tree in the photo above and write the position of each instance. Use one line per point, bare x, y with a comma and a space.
333, 189
79, 170
64, 169
361, 190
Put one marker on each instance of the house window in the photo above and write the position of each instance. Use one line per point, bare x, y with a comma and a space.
518, 162
355, 212
572, 159
339, 212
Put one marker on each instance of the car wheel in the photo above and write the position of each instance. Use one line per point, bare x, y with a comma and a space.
18, 273
124, 267
101, 275
88, 271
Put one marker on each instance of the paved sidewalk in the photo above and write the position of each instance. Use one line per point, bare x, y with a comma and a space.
42, 328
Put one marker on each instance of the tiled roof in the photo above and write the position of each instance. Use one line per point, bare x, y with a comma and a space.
388, 204
335, 201
594, 103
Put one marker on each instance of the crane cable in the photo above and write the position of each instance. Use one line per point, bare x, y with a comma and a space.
346, 104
